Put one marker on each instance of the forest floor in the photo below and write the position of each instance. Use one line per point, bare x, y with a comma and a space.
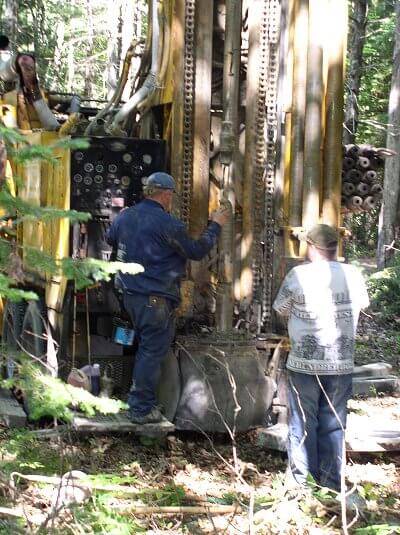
187, 470
191, 470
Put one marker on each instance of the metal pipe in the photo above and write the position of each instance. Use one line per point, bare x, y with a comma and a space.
286, 89
115, 99
313, 119
151, 80
298, 112
228, 151
247, 249
336, 45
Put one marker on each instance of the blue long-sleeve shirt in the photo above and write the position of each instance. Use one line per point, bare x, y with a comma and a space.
150, 236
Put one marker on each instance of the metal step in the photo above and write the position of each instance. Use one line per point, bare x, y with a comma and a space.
11, 412
363, 434
119, 423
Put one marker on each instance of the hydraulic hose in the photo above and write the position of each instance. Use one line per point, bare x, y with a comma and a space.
150, 82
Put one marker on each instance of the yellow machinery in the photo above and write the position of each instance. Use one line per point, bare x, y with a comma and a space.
241, 100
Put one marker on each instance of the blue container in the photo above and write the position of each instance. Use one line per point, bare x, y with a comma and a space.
123, 333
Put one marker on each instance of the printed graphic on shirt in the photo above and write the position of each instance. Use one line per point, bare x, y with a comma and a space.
309, 348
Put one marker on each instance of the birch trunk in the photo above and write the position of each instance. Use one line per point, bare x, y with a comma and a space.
9, 23
357, 40
389, 219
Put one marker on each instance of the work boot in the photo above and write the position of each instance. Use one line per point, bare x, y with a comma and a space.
153, 417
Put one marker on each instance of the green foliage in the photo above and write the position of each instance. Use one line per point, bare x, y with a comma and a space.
21, 452
90, 270
14, 294
170, 495
364, 234
384, 291
378, 529
111, 479
377, 73
49, 396
100, 518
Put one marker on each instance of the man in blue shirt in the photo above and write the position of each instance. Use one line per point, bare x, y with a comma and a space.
148, 235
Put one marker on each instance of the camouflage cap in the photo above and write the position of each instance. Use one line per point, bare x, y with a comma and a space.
323, 237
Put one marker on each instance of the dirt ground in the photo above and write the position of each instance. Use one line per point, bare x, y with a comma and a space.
190, 469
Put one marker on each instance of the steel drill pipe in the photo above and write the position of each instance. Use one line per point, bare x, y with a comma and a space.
362, 188
353, 150
354, 175
363, 162
336, 48
246, 277
348, 188
313, 116
348, 163
369, 176
228, 147
355, 201
376, 189
369, 203
298, 112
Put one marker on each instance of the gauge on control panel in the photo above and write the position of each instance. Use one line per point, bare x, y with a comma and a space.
112, 168
98, 179
127, 158
77, 178
88, 181
147, 159
99, 168
88, 167
78, 156
137, 169
125, 181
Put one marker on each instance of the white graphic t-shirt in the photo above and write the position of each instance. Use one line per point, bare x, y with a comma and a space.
322, 301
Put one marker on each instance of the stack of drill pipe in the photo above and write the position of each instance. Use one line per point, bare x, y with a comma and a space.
361, 190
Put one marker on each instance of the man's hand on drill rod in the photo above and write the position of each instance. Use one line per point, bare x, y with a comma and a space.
221, 215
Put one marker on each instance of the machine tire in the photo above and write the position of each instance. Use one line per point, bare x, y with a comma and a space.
33, 337
11, 336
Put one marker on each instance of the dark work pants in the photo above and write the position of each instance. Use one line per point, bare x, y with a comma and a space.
153, 319
315, 444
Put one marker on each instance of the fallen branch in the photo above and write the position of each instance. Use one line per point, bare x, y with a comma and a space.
86, 484
182, 510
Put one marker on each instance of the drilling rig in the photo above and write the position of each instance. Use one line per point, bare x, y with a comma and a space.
242, 102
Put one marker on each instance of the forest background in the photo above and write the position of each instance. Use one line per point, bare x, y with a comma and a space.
79, 46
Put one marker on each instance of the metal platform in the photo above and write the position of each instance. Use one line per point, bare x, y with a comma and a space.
119, 423
11, 412
363, 434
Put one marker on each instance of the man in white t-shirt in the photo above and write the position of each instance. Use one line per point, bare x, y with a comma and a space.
322, 302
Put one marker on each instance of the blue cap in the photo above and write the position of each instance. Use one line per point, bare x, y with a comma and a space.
161, 180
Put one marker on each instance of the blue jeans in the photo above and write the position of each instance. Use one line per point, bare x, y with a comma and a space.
154, 323
316, 437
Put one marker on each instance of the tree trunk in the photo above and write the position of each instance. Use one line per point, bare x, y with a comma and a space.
114, 46
9, 23
58, 53
89, 74
389, 219
358, 28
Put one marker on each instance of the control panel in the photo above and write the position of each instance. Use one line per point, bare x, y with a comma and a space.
108, 175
